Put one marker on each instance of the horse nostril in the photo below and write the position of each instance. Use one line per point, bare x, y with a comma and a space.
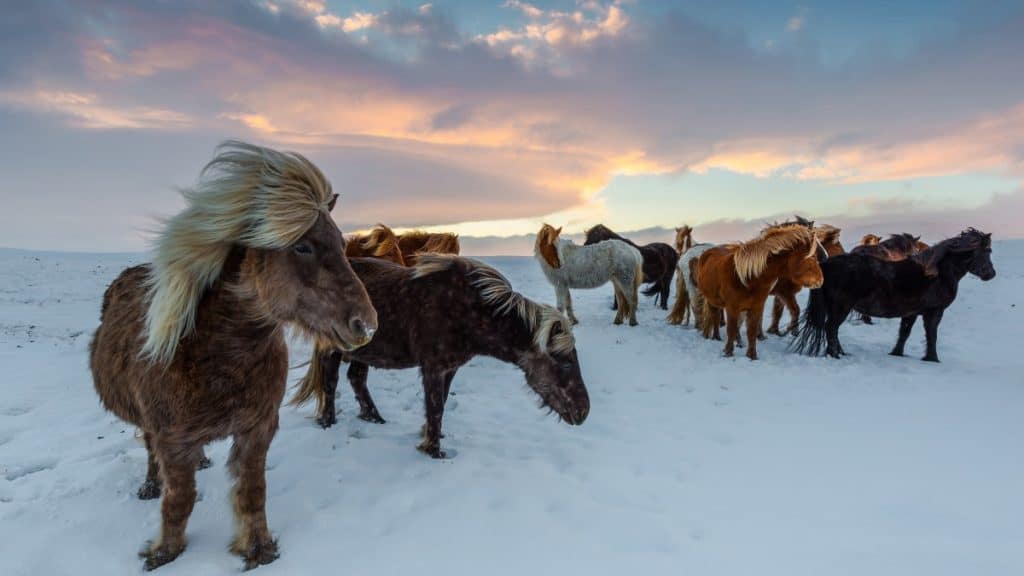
359, 328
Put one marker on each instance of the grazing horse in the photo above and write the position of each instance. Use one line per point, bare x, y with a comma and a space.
379, 242
897, 247
659, 262
924, 284
191, 347
567, 265
420, 242
739, 277
437, 316
785, 291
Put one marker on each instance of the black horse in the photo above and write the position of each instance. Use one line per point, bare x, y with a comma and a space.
659, 261
924, 284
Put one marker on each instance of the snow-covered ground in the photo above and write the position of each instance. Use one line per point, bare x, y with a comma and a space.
690, 463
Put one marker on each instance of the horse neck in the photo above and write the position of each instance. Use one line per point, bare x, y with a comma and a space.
511, 337
230, 308
955, 264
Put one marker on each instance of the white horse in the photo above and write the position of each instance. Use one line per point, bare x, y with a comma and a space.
688, 297
567, 265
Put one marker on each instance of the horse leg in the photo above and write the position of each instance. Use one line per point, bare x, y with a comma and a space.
568, 307
776, 316
620, 300
906, 324
357, 372
151, 487
754, 329
794, 314
739, 328
247, 463
330, 363
433, 403
732, 330
177, 463
931, 333
634, 301
716, 317
664, 294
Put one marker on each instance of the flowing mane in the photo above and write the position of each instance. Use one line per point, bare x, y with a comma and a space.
417, 241
247, 195
827, 234
495, 290
379, 242
751, 257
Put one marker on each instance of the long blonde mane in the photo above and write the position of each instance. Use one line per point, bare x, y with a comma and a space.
751, 257
247, 195
495, 290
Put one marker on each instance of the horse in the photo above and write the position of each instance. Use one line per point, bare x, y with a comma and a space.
659, 262
567, 265
739, 277
379, 242
785, 291
417, 241
896, 247
191, 347
924, 284
684, 239
437, 316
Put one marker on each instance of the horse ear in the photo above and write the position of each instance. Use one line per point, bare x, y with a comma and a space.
558, 231
332, 202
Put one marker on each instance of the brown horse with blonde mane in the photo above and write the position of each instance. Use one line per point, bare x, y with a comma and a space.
191, 348
737, 278
380, 242
420, 242
785, 290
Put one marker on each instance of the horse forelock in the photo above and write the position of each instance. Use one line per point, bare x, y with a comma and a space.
247, 195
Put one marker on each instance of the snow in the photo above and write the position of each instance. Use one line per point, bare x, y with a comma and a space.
688, 463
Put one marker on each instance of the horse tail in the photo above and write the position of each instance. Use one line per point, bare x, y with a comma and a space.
682, 303
812, 330
708, 319
312, 384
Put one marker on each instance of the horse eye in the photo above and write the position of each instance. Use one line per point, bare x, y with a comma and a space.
303, 248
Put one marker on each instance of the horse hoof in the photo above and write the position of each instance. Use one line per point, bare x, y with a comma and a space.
157, 557
752, 356
204, 463
371, 416
774, 330
617, 321
327, 420
150, 490
260, 553
434, 451
931, 359
896, 353
633, 322
762, 337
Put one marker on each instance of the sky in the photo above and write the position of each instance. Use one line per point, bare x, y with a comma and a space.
488, 118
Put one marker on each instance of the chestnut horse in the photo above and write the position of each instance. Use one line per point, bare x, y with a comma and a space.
437, 316
659, 262
684, 239
420, 242
785, 291
379, 242
737, 278
191, 347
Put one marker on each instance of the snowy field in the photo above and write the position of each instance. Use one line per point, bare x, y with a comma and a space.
689, 463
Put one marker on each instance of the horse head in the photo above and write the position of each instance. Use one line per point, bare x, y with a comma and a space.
971, 241
547, 244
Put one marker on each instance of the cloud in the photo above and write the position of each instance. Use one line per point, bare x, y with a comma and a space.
795, 24
87, 111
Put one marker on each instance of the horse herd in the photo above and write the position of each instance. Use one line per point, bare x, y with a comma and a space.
191, 347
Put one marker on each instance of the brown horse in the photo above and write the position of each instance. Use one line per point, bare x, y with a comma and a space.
785, 291
737, 278
684, 239
437, 316
191, 347
420, 242
379, 242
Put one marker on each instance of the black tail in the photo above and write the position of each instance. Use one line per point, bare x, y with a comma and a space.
812, 326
